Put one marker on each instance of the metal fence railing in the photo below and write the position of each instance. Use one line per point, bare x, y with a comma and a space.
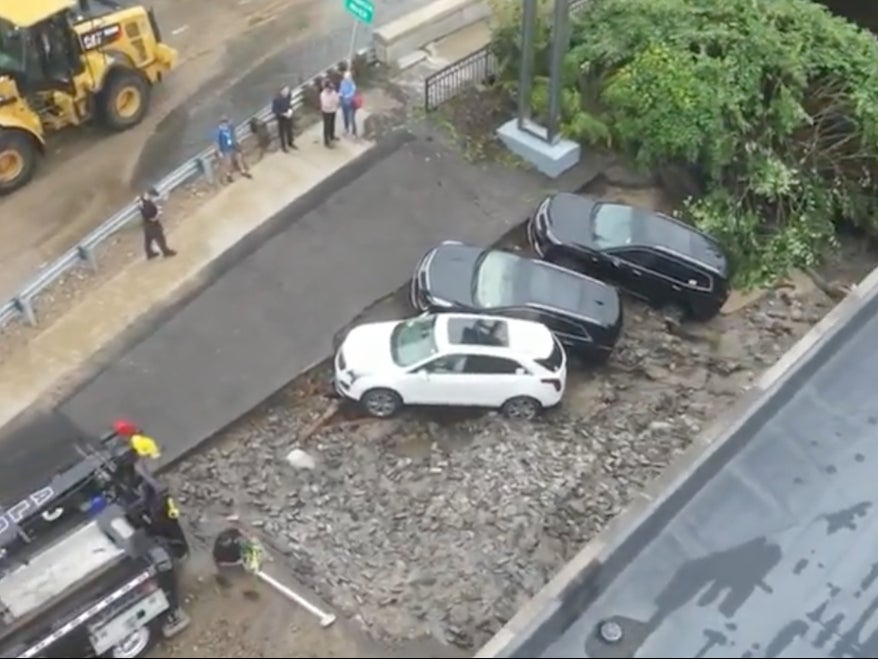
473, 69
477, 68
83, 253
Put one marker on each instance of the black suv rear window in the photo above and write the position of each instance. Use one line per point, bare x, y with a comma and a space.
553, 361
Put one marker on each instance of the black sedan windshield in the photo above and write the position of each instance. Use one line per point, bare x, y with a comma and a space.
495, 281
613, 225
504, 280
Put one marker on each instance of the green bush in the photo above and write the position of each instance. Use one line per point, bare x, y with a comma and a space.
771, 105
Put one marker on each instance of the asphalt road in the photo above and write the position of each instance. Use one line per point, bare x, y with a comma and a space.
272, 315
234, 54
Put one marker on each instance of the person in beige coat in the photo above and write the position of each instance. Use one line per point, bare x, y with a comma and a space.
329, 102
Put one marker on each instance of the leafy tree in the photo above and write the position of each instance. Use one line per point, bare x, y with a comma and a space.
769, 106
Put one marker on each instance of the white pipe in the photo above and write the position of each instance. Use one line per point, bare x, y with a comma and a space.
326, 618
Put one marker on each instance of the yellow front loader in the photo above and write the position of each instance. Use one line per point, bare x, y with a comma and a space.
65, 63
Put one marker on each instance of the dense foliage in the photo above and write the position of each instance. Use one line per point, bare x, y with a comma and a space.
770, 107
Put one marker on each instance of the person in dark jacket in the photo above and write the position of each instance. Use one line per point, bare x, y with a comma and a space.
282, 108
153, 231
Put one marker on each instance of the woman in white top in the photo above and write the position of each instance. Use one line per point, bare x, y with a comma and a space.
329, 102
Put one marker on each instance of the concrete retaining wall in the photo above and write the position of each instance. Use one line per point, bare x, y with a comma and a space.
419, 28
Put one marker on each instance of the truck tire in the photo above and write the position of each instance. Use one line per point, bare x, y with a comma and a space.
18, 159
124, 101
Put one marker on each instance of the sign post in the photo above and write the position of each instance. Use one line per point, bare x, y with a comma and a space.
526, 69
560, 43
363, 11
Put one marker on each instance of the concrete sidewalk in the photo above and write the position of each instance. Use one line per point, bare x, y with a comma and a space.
57, 354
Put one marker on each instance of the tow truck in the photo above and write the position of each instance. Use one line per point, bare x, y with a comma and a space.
89, 556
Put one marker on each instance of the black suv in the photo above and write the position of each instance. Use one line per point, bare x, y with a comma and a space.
585, 314
651, 255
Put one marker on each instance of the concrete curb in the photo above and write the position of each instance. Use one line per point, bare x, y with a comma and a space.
415, 30
553, 604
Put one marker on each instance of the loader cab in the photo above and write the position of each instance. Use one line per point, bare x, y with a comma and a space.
41, 57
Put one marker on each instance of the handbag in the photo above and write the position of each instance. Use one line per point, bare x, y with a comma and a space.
358, 100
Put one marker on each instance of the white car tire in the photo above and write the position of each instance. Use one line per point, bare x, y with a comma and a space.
381, 403
522, 408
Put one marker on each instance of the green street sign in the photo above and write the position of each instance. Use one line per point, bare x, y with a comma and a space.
362, 10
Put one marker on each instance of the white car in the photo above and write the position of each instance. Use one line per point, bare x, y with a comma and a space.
452, 359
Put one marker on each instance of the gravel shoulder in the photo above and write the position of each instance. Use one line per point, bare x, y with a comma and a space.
431, 530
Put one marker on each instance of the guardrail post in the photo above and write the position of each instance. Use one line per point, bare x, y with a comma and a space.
87, 254
206, 167
26, 309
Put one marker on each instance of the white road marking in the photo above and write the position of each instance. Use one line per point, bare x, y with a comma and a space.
180, 30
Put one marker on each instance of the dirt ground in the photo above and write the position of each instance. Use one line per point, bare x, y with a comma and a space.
87, 175
241, 617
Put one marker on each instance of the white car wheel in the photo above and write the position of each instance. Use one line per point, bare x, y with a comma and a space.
522, 408
133, 645
381, 403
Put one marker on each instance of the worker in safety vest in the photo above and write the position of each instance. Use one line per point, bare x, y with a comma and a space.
144, 445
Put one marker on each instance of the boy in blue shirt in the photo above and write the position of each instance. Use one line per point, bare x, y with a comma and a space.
229, 151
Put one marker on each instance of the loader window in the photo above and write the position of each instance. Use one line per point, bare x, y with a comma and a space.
12, 49
54, 42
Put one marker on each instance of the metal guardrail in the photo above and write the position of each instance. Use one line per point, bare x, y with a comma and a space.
474, 69
83, 253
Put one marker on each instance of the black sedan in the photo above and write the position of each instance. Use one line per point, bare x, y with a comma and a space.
585, 314
651, 255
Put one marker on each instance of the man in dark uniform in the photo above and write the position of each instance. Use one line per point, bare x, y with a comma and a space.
153, 231
282, 109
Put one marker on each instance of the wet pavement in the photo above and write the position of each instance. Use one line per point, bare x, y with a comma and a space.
258, 323
233, 55
272, 315
189, 127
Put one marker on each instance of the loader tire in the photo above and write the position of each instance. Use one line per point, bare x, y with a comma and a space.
18, 160
124, 101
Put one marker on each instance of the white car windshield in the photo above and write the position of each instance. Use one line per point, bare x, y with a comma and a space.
413, 341
613, 225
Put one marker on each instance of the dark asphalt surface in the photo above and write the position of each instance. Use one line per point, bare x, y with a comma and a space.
273, 305
767, 548
189, 128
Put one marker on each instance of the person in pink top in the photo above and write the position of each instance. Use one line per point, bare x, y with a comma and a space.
329, 102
